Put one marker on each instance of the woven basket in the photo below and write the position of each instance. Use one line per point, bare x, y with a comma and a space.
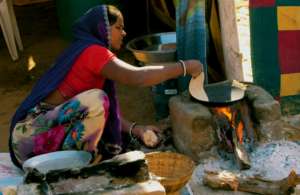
172, 170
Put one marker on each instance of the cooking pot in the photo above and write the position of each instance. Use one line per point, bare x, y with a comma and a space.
224, 92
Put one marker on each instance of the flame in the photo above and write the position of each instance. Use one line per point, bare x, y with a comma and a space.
226, 111
239, 132
231, 116
31, 63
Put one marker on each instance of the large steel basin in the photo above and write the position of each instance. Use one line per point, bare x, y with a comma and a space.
153, 48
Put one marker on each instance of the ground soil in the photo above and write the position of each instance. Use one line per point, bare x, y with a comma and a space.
42, 41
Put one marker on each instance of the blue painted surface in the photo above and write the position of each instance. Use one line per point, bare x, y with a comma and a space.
191, 35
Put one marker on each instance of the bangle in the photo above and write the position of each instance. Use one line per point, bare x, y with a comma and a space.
130, 130
183, 67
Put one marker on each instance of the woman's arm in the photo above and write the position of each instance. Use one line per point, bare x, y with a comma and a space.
137, 130
125, 125
149, 134
125, 73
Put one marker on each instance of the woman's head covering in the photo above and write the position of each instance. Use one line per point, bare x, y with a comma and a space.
91, 28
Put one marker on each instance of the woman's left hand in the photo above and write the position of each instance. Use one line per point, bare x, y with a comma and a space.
149, 134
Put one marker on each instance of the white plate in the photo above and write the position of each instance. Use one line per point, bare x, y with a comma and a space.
58, 160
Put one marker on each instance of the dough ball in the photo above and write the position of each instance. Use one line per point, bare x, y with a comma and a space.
150, 138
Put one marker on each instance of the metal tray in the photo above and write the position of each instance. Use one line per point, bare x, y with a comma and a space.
58, 160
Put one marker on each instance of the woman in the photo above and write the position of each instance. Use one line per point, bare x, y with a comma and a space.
73, 105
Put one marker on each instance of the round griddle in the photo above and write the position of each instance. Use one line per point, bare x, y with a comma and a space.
217, 93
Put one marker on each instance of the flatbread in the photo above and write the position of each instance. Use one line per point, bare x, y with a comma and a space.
196, 88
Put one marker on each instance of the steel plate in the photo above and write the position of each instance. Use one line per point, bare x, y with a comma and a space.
58, 160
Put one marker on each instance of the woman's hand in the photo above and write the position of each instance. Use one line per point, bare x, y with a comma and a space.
193, 67
149, 134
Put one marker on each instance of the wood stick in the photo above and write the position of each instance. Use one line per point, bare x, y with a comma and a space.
230, 42
248, 124
241, 154
229, 181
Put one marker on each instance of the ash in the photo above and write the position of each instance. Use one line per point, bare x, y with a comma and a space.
271, 161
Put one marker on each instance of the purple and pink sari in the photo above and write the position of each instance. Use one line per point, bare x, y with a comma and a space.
89, 121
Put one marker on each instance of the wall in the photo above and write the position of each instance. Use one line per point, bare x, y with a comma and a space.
275, 38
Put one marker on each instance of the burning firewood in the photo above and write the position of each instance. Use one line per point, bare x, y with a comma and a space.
231, 132
249, 129
229, 181
241, 154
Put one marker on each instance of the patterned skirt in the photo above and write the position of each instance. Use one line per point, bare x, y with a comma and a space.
77, 124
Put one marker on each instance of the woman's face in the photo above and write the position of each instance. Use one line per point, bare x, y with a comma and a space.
117, 33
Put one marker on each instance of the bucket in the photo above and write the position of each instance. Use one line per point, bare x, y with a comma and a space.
161, 95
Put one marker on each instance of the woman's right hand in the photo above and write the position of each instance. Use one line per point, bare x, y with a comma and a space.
193, 67
148, 134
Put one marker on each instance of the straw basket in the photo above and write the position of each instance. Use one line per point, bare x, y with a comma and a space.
172, 170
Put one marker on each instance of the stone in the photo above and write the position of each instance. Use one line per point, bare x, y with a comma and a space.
192, 127
93, 186
101, 185
118, 173
266, 114
150, 187
264, 107
33, 188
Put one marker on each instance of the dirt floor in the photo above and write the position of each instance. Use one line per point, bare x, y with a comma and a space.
41, 38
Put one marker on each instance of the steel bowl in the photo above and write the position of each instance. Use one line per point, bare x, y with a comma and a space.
153, 48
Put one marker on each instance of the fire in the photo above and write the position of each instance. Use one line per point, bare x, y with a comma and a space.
235, 121
226, 111
239, 131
